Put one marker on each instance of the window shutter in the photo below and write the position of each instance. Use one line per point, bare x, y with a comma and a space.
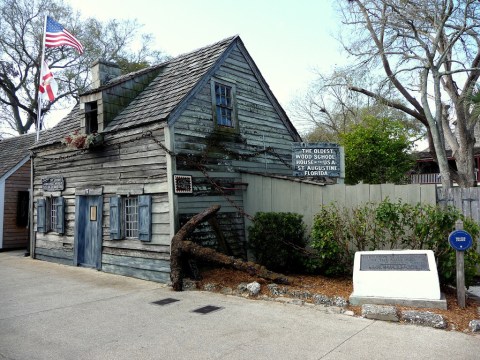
115, 218
60, 205
145, 217
41, 216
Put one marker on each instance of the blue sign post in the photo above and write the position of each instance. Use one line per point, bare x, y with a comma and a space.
460, 240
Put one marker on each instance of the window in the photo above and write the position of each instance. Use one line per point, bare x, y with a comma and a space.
130, 217
223, 98
130, 214
91, 117
22, 208
51, 215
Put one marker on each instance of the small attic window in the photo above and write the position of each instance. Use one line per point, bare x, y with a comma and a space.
91, 118
223, 101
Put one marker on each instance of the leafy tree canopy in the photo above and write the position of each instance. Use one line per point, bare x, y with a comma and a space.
21, 35
377, 151
329, 108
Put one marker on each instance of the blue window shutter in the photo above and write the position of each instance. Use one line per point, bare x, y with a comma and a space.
115, 218
145, 217
60, 205
41, 216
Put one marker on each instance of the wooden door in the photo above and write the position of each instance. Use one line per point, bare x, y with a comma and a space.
88, 231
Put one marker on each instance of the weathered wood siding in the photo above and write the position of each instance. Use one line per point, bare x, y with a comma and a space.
15, 236
126, 163
223, 154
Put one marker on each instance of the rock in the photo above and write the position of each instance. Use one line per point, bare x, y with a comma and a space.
299, 294
340, 301
189, 284
474, 325
254, 288
379, 312
241, 288
349, 313
322, 300
276, 290
209, 287
424, 318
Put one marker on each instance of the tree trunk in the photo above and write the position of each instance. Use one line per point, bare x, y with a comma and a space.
180, 248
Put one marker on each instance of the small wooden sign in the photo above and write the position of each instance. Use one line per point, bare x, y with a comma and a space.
54, 183
182, 184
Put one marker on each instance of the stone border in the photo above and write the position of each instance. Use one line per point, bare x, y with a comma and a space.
334, 304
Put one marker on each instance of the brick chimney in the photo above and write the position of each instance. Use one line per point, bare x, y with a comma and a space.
103, 71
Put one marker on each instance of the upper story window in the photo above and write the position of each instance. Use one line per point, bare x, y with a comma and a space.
223, 98
91, 117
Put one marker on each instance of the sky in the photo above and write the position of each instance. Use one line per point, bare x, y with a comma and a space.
289, 40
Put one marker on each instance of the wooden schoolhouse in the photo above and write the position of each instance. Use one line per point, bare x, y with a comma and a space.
14, 191
144, 152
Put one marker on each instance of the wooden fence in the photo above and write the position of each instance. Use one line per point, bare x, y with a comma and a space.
266, 193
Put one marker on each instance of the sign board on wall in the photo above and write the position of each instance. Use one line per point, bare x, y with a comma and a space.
317, 159
53, 183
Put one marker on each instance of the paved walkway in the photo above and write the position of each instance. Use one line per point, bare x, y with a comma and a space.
50, 311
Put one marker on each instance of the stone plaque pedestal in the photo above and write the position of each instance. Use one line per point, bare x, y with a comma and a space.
403, 277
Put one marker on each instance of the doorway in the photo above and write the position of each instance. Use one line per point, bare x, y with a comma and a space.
88, 231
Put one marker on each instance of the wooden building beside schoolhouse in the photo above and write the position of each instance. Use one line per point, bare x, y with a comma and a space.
164, 143
14, 191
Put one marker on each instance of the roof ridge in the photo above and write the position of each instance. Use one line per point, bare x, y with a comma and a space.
128, 76
189, 53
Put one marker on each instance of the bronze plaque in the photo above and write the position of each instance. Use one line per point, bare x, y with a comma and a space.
394, 262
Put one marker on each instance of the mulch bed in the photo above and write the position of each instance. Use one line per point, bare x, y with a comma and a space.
458, 319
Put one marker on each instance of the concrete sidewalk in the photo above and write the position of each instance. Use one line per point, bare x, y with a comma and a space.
50, 311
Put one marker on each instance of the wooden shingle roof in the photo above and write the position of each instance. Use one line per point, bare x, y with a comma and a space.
167, 93
13, 150
176, 79
67, 125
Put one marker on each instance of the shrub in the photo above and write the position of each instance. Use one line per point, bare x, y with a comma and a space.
338, 233
277, 240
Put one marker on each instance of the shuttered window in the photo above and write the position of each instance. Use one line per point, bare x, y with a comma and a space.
51, 215
131, 217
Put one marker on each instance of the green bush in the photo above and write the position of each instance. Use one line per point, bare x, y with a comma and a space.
338, 233
277, 240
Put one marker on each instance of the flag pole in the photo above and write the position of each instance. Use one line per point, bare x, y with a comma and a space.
39, 96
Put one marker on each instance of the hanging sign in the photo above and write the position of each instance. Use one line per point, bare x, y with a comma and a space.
316, 159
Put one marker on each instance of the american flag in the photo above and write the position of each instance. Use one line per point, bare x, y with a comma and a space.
56, 35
